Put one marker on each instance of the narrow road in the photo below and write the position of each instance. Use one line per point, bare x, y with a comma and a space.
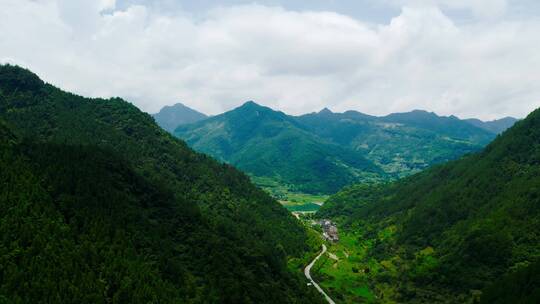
308, 276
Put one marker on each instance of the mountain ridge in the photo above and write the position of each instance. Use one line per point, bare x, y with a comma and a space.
170, 117
496, 126
397, 145
143, 217
264, 142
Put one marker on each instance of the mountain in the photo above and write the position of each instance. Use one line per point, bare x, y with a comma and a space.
402, 143
99, 204
456, 233
495, 126
267, 143
322, 152
170, 117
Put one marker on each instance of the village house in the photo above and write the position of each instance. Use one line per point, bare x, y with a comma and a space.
330, 231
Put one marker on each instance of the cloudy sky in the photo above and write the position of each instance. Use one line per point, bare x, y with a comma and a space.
470, 58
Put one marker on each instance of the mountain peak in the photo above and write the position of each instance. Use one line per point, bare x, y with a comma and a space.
13, 77
508, 118
177, 105
496, 126
251, 104
170, 117
423, 112
413, 115
326, 111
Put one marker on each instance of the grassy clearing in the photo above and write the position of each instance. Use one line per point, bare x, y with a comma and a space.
301, 202
302, 198
293, 201
309, 207
346, 279
357, 277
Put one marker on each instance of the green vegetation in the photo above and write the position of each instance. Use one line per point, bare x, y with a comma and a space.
321, 153
448, 234
308, 207
100, 205
341, 271
314, 243
266, 143
282, 193
293, 201
302, 198
521, 286
400, 144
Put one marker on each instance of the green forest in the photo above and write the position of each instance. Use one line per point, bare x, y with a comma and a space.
272, 145
463, 232
320, 153
269, 152
100, 205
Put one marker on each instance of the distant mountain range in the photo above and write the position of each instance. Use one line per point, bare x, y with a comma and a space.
267, 143
171, 117
322, 152
495, 126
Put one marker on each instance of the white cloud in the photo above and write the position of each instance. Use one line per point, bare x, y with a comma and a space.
106, 4
294, 61
479, 8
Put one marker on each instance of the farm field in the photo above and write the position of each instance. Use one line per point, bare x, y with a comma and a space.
293, 201
301, 202
344, 273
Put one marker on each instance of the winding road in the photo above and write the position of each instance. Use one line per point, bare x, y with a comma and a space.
307, 272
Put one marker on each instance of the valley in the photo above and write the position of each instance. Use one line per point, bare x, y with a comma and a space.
345, 273
370, 261
307, 272
269, 152
444, 235
101, 169
340, 271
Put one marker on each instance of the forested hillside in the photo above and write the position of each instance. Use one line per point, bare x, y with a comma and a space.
319, 153
267, 143
447, 234
402, 143
100, 205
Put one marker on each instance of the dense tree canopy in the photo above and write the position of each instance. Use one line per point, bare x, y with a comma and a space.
323, 152
100, 205
456, 228
267, 143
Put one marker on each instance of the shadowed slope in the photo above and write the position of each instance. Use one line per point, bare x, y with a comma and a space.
142, 217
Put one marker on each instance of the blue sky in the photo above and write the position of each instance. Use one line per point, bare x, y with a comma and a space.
377, 11
372, 10
470, 58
